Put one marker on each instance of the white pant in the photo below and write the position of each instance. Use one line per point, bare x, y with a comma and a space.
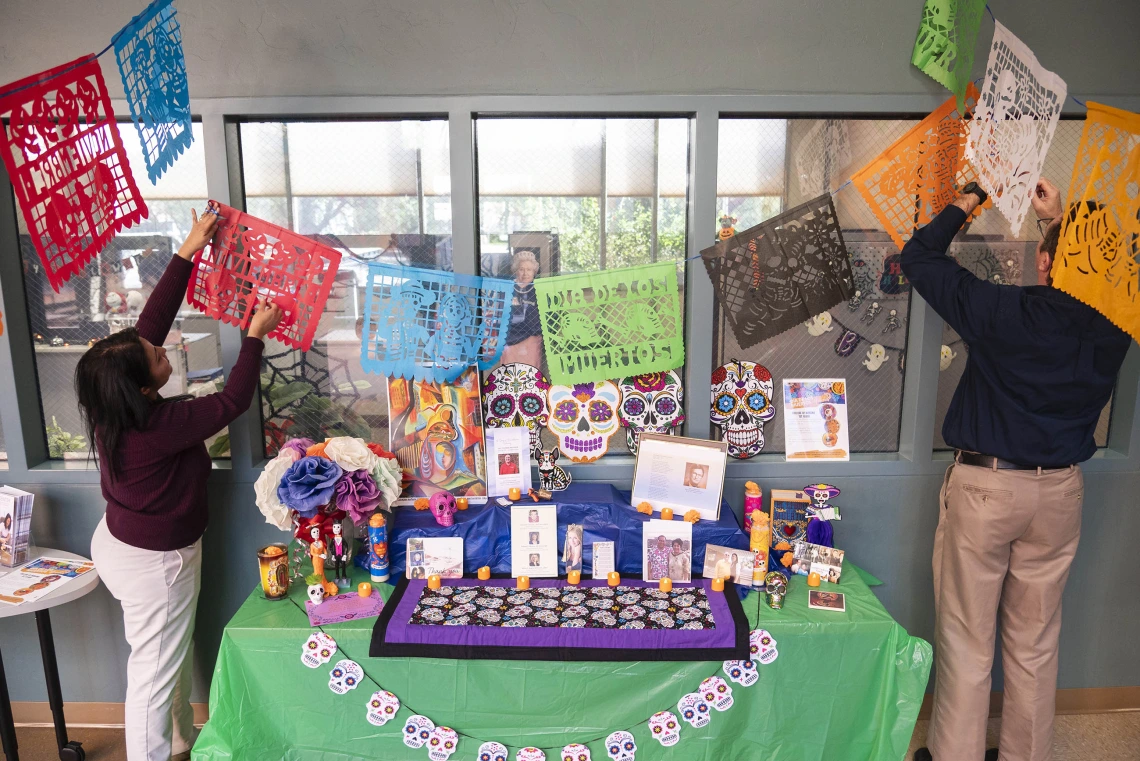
159, 594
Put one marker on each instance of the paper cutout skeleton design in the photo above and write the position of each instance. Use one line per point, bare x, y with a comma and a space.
1013, 125
584, 417
823, 153
781, 272
741, 405
650, 403
67, 165
944, 49
514, 396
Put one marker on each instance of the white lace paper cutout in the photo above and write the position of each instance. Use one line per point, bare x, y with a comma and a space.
824, 152
1013, 125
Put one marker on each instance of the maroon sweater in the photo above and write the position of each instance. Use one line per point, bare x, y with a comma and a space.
158, 499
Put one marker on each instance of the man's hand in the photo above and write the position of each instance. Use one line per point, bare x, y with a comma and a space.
967, 202
1046, 200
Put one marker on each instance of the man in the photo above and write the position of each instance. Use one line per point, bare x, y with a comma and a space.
696, 477
1041, 367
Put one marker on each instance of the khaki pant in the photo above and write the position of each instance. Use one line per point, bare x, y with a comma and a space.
1004, 544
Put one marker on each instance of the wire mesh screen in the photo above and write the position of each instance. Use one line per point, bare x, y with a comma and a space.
109, 294
377, 191
768, 165
991, 251
560, 196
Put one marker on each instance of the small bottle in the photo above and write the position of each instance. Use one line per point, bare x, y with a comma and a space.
753, 500
378, 548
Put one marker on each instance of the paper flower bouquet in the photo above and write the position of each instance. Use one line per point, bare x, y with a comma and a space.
309, 484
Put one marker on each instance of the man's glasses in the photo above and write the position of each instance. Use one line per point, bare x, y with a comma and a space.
1043, 226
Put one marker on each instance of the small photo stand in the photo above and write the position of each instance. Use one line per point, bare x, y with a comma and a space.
680, 473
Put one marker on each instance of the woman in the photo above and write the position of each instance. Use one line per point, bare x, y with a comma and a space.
524, 335
153, 469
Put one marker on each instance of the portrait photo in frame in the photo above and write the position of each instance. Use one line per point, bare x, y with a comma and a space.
680, 473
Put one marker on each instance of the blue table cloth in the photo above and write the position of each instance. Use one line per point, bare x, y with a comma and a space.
604, 512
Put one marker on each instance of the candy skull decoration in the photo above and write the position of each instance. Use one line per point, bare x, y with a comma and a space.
417, 731
492, 751
441, 744
743, 673
442, 506
694, 709
717, 693
345, 676
514, 395
575, 752
316, 593
665, 728
650, 403
584, 417
530, 754
741, 405
620, 746
382, 706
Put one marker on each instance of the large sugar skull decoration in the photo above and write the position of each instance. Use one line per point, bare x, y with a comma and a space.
584, 417
650, 403
741, 405
514, 395
620, 746
442, 506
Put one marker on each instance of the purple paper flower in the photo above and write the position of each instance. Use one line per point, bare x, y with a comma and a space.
358, 495
308, 484
300, 446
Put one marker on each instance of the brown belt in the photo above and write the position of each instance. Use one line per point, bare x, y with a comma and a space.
996, 463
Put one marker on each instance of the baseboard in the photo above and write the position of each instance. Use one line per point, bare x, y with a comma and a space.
33, 714
1085, 700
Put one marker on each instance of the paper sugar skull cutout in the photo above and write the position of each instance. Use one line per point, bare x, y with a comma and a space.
665, 728
530, 754
442, 506
650, 403
345, 676
514, 395
694, 709
575, 752
620, 746
441, 744
717, 693
382, 707
741, 405
492, 751
743, 673
417, 731
584, 417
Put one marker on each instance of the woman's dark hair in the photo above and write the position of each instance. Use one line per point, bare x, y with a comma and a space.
108, 380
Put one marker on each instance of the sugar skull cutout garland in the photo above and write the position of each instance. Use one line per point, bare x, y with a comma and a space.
650, 403
584, 417
741, 405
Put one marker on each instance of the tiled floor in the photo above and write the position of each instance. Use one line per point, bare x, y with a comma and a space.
1085, 737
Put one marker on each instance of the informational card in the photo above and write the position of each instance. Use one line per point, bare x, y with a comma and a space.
534, 540
667, 550
435, 556
815, 419
508, 460
680, 473
39, 578
603, 559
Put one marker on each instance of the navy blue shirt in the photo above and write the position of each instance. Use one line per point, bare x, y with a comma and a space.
1041, 364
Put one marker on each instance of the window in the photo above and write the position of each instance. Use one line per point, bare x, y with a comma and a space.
377, 191
768, 165
109, 294
580, 195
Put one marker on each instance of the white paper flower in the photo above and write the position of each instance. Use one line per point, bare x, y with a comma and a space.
265, 491
350, 453
388, 476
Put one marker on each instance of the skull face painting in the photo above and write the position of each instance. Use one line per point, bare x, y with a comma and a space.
741, 404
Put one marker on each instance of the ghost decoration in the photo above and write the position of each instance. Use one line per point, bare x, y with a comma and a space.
945, 358
650, 403
820, 324
584, 417
741, 405
514, 396
876, 356
443, 507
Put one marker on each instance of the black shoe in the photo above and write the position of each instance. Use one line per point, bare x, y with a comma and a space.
992, 754
922, 754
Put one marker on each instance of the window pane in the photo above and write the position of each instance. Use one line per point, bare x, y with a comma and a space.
375, 191
769, 165
990, 251
580, 195
109, 294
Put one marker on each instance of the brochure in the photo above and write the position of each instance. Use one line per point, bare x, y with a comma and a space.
508, 460
40, 577
534, 540
815, 419
603, 559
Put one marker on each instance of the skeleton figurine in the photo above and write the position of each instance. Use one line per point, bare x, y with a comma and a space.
893, 322
856, 300
340, 549
871, 313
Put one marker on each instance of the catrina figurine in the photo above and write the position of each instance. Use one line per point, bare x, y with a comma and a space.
821, 513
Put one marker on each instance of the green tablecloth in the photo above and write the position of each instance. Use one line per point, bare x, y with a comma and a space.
846, 686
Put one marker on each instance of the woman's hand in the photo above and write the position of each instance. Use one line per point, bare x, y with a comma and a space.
200, 234
265, 320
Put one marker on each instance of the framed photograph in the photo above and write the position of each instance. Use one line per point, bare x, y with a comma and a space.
534, 540
572, 548
815, 558
435, 555
680, 473
667, 550
508, 460
728, 563
832, 601
788, 514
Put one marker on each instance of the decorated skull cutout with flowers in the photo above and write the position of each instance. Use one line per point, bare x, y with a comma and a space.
576, 752
650, 403
584, 417
492, 751
620, 746
514, 396
741, 405
665, 728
